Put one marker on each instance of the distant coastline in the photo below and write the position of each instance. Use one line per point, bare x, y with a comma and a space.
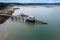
30, 3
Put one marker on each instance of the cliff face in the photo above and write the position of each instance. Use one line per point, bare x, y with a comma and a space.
3, 19
6, 11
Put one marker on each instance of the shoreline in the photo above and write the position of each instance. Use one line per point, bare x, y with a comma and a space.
7, 11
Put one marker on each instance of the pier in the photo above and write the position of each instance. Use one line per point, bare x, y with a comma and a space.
24, 19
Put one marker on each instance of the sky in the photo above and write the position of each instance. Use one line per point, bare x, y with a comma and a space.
31, 1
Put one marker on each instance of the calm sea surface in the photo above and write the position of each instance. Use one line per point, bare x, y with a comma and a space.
16, 30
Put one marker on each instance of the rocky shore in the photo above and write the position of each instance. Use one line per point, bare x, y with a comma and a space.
7, 11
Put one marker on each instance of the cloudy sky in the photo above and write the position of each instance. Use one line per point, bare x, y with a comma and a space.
32, 1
